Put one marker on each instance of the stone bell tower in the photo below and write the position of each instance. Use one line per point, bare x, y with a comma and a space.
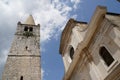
23, 62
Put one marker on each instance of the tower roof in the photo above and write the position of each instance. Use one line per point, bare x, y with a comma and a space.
30, 20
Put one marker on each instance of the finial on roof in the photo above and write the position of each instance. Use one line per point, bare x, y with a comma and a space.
30, 20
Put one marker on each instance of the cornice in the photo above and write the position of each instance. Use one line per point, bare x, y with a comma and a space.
65, 37
92, 26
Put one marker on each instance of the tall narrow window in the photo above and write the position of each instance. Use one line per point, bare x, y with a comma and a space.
21, 78
26, 28
107, 57
71, 52
26, 47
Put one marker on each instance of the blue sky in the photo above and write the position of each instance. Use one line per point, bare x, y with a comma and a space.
52, 15
53, 65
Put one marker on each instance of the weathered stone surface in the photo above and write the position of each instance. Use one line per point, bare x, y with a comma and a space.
87, 41
24, 56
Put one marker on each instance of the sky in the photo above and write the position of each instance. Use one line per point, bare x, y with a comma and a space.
52, 15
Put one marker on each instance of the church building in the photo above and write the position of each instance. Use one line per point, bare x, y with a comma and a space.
91, 51
23, 62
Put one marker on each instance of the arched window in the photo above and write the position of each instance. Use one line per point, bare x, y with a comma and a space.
21, 78
71, 52
26, 28
31, 29
106, 56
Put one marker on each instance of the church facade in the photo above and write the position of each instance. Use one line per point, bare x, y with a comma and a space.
91, 51
23, 62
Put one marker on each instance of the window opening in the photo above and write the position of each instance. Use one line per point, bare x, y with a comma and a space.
107, 57
26, 47
26, 28
71, 52
21, 78
31, 29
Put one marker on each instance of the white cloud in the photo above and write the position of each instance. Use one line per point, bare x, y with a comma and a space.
52, 15
3, 57
42, 73
76, 3
74, 16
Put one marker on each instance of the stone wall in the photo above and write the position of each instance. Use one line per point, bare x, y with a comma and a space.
24, 56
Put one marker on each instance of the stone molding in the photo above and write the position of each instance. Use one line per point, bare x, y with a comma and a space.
96, 19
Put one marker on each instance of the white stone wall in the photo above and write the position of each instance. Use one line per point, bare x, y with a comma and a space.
82, 70
107, 35
77, 35
105, 38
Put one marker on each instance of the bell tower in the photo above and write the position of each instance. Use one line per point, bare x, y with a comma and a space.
23, 62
